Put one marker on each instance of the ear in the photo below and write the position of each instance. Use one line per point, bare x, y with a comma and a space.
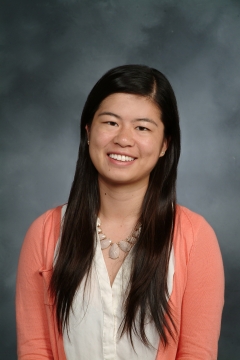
164, 147
87, 130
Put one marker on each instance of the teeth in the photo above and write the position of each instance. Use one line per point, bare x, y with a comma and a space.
121, 157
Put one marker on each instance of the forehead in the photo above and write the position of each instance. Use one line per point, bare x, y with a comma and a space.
130, 105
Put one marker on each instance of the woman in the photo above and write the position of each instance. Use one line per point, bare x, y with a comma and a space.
132, 275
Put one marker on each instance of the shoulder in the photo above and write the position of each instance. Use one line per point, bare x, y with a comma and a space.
194, 237
42, 235
190, 219
48, 222
192, 223
46, 219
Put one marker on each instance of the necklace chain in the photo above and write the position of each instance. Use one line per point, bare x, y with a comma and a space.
125, 245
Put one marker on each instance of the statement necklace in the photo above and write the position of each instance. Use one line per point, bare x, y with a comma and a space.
125, 245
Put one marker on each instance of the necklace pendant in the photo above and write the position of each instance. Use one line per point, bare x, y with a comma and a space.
102, 236
105, 243
114, 251
124, 245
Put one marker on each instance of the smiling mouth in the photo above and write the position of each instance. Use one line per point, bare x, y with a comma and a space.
121, 157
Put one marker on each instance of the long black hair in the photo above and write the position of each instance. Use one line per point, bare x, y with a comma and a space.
147, 290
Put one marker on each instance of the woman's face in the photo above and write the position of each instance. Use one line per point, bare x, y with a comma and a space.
126, 139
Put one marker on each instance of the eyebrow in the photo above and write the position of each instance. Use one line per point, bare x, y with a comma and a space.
135, 120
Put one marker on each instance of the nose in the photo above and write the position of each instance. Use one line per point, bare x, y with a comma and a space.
124, 137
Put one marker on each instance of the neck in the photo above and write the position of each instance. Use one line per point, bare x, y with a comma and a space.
121, 203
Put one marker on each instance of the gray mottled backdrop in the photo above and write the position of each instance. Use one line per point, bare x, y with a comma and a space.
53, 53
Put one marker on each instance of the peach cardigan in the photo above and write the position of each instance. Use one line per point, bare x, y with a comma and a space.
197, 297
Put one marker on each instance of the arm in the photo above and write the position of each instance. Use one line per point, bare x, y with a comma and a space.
203, 298
32, 326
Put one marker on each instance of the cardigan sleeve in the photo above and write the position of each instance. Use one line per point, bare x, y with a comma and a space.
33, 338
203, 298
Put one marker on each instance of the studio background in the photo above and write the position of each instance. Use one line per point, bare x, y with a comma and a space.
53, 53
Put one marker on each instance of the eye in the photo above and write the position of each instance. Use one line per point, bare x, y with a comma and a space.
142, 128
111, 123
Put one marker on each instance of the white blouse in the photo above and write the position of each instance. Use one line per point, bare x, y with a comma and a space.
97, 315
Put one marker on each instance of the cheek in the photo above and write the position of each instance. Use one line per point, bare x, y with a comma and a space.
152, 148
97, 147
95, 158
99, 138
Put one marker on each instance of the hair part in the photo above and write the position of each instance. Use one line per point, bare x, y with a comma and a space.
147, 294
